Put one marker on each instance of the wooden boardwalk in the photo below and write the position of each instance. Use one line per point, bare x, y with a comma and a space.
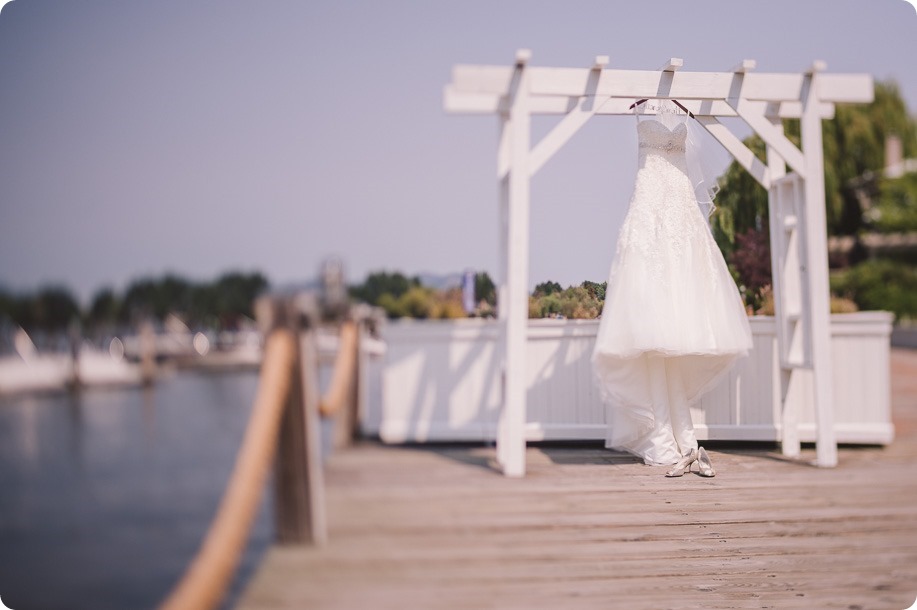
437, 527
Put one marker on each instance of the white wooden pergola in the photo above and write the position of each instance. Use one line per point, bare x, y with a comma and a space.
794, 179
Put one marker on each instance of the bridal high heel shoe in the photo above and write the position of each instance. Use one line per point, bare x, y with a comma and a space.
684, 464
704, 465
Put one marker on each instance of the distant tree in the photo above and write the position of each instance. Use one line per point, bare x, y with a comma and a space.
896, 209
391, 306
104, 310
174, 294
597, 291
24, 312
741, 203
751, 260
424, 303
416, 302
854, 143
218, 304
7, 305
544, 305
880, 285
575, 302
380, 283
448, 304
546, 288
156, 297
205, 308
18, 309
235, 294
53, 309
484, 289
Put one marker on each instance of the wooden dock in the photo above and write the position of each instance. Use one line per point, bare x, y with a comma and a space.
438, 527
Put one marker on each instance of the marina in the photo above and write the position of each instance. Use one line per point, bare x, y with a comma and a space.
134, 361
107, 491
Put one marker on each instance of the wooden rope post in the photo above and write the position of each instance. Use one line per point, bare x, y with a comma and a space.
147, 352
299, 479
299, 483
348, 427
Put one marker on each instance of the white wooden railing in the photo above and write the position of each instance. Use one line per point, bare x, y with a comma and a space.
442, 381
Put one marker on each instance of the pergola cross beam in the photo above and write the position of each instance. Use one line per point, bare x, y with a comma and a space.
563, 131
466, 102
741, 153
638, 84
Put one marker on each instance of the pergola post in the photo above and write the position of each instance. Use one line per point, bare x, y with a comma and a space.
819, 289
788, 376
515, 307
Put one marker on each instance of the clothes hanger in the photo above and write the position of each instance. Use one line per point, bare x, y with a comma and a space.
677, 103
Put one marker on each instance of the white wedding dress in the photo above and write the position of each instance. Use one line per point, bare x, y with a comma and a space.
673, 322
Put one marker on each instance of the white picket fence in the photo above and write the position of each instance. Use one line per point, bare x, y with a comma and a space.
442, 381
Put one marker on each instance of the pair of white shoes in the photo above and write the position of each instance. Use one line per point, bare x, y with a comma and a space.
685, 464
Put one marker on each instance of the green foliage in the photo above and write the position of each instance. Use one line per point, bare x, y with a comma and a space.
417, 302
741, 203
751, 261
484, 289
854, 143
382, 283
880, 284
149, 297
218, 304
595, 290
7, 305
390, 304
55, 308
448, 304
233, 295
104, 309
579, 302
547, 288
403, 297
52, 308
896, 209
424, 303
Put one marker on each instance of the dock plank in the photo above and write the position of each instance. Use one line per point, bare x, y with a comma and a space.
438, 527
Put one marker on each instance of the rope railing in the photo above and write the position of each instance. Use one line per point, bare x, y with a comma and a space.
206, 579
282, 425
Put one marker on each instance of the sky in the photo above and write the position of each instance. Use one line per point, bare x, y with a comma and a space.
139, 138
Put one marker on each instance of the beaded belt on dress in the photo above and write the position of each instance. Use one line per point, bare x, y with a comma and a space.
672, 147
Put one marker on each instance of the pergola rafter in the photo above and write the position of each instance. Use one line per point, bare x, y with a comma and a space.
797, 217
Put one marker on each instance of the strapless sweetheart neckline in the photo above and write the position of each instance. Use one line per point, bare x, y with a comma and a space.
661, 124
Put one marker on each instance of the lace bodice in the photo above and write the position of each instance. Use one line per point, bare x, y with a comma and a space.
663, 204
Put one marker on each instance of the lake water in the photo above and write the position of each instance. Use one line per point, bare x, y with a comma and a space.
106, 495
